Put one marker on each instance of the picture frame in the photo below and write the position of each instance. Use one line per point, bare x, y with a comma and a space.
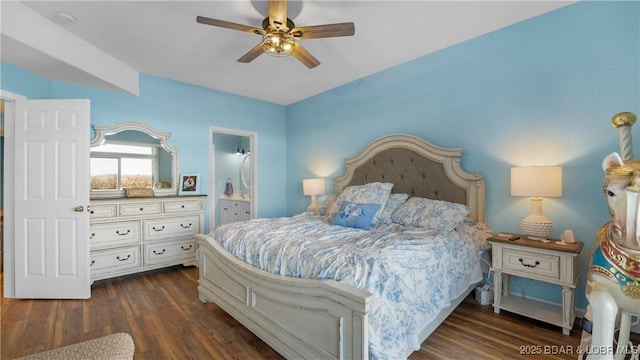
189, 184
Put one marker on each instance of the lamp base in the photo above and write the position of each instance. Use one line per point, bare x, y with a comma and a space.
314, 205
536, 227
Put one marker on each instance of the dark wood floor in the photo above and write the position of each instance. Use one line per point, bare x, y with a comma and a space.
161, 311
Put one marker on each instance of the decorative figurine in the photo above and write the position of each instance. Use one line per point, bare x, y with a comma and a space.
613, 284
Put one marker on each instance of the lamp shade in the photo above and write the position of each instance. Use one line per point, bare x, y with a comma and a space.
536, 181
313, 186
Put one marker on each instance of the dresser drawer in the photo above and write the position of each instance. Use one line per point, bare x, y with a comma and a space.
531, 263
181, 206
103, 261
171, 227
102, 211
114, 234
169, 251
147, 208
235, 204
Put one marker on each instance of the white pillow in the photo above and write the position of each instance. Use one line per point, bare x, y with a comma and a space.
437, 215
394, 201
324, 207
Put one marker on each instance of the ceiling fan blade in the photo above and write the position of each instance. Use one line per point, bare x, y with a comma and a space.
229, 25
324, 31
251, 54
305, 57
277, 13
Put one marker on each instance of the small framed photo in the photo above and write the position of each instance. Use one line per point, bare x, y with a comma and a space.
189, 184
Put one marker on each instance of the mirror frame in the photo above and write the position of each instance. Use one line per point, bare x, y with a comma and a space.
101, 131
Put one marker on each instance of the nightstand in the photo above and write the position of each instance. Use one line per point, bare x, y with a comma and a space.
533, 259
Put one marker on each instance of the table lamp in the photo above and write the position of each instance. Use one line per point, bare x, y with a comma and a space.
537, 182
313, 187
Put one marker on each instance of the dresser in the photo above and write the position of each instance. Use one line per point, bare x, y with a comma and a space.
129, 235
550, 262
234, 209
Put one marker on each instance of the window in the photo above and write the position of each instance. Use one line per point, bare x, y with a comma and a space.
116, 167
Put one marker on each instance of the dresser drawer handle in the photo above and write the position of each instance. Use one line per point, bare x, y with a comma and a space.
92, 262
185, 227
141, 209
529, 265
186, 249
92, 236
182, 206
159, 229
125, 259
123, 233
159, 253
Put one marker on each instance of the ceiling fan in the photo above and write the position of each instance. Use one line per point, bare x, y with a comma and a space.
279, 34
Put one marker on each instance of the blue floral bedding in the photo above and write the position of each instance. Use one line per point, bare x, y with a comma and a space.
409, 270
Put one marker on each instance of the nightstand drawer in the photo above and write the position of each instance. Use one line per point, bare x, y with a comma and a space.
544, 265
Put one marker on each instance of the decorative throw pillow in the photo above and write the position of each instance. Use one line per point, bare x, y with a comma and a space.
394, 201
372, 193
356, 215
437, 215
324, 207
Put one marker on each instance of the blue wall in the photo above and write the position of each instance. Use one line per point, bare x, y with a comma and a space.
541, 92
187, 112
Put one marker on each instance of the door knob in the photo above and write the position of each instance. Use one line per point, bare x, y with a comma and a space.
78, 208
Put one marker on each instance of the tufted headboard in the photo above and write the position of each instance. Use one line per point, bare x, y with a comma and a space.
417, 168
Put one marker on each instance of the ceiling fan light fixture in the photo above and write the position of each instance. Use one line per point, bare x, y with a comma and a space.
278, 44
279, 34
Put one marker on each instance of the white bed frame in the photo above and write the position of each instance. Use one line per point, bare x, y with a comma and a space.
314, 319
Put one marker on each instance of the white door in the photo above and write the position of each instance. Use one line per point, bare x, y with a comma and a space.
51, 196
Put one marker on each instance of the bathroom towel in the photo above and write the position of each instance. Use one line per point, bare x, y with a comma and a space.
228, 189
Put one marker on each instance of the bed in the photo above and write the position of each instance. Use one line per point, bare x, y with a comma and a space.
306, 311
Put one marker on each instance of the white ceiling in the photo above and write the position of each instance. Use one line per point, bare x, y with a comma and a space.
162, 38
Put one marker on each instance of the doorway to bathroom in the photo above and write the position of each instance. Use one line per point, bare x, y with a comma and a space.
233, 167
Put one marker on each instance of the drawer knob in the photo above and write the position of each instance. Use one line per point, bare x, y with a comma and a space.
123, 233
158, 229
92, 235
159, 253
529, 265
186, 249
92, 262
125, 259
182, 206
141, 209
185, 227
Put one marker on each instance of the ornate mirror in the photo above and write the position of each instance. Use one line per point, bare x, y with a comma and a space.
132, 155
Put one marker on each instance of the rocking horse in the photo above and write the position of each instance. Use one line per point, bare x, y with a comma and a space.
613, 285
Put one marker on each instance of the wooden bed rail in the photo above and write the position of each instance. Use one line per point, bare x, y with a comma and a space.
299, 318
